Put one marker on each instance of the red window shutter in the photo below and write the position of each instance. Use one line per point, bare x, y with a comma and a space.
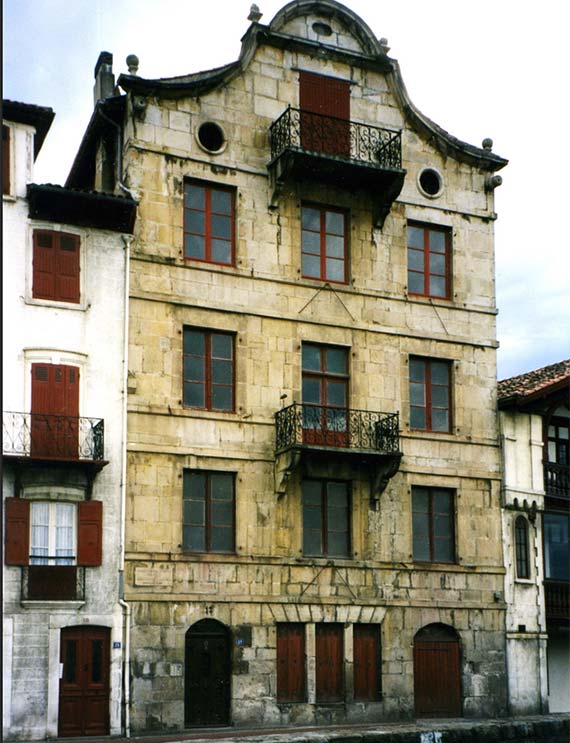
5, 159
90, 533
17, 539
366, 643
67, 268
56, 266
291, 662
328, 97
44, 268
330, 662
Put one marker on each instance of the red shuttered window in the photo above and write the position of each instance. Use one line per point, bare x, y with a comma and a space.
56, 266
17, 537
291, 662
367, 662
329, 646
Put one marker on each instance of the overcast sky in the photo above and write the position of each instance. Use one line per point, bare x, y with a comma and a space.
479, 68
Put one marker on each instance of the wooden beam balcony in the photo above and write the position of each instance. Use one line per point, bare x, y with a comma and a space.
557, 596
557, 481
348, 154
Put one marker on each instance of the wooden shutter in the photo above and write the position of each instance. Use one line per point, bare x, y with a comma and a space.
90, 533
328, 97
330, 662
291, 662
437, 679
56, 266
17, 537
5, 159
367, 668
67, 268
44, 267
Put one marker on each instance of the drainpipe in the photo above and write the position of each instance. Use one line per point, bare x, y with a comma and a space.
127, 239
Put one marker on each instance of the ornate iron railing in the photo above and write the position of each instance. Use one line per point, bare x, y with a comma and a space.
40, 436
557, 480
328, 135
557, 595
324, 426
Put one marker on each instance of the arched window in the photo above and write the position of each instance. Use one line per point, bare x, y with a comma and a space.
521, 547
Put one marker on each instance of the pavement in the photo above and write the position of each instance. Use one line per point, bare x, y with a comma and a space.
548, 728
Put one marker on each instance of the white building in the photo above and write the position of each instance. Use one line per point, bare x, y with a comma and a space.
535, 424
64, 300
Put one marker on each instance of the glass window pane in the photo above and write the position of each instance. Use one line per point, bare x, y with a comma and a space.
417, 370
221, 251
194, 512
437, 242
194, 538
222, 346
335, 246
439, 420
194, 395
337, 493
96, 661
311, 518
437, 263
416, 260
417, 393
334, 223
194, 246
334, 270
195, 196
311, 266
437, 286
70, 662
222, 487
420, 537
222, 539
194, 368
416, 283
222, 398
443, 550
336, 393
562, 433
222, 372
415, 237
311, 218
221, 202
440, 397
336, 360
195, 222
311, 356
418, 418
194, 485
222, 513
338, 544
439, 372
311, 391
194, 342
420, 500
442, 501
312, 492
311, 242
221, 226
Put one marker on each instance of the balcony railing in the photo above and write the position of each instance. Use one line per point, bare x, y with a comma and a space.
557, 595
328, 135
322, 426
57, 437
557, 480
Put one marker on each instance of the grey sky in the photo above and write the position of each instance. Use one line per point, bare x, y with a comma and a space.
490, 68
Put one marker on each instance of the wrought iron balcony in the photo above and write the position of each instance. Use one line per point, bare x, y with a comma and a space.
53, 437
557, 595
345, 153
322, 427
557, 480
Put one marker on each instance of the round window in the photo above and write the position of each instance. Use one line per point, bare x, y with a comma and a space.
211, 136
431, 182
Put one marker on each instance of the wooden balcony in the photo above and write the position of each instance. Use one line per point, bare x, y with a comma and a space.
557, 481
557, 595
326, 149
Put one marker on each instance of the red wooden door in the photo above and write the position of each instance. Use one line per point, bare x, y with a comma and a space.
207, 681
291, 662
367, 678
84, 685
55, 411
325, 114
437, 678
330, 662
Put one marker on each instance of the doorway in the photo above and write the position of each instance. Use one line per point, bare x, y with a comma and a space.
437, 672
84, 684
207, 674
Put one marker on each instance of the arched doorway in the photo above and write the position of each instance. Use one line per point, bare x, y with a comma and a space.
437, 672
84, 683
207, 674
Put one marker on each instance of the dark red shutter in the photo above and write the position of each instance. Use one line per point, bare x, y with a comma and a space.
5, 159
56, 266
330, 662
44, 266
327, 97
55, 411
90, 533
67, 268
17, 537
291, 662
366, 645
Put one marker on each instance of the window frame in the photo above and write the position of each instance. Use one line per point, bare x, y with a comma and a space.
208, 383
426, 273
431, 518
208, 526
325, 530
323, 210
53, 509
57, 237
209, 187
521, 542
428, 386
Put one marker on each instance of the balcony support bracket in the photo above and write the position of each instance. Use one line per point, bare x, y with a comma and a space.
380, 475
285, 465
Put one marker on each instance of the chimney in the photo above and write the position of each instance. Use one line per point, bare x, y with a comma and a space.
104, 79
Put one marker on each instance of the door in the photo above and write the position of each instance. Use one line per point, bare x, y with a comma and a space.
325, 114
55, 411
84, 683
207, 677
366, 659
437, 673
330, 662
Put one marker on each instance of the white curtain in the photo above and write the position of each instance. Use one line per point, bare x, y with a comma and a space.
64, 542
40, 534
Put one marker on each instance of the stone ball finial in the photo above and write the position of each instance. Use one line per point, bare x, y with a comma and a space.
487, 143
254, 13
384, 44
132, 64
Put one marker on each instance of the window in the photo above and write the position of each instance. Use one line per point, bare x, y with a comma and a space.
52, 537
209, 512
325, 395
326, 518
209, 223
56, 266
559, 441
433, 524
429, 258
367, 662
291, 662
329, 651
5, 159
323, 244
521, 548
430, 398
556, 546
208, 370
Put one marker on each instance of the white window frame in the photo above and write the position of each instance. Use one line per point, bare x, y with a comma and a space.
55, 510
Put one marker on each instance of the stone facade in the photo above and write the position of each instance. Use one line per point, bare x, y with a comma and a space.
262, 300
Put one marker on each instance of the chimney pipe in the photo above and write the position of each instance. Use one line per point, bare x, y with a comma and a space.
104, 79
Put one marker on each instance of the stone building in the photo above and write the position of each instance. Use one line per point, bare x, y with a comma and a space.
313, 510
64, 290
534, 424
